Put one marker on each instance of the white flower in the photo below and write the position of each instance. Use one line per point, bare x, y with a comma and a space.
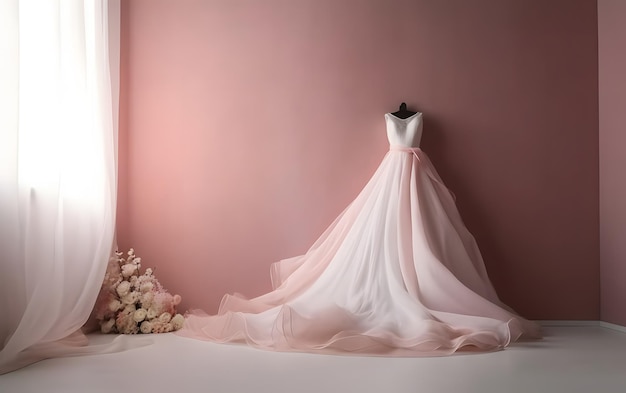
123, 288
146, 327
128, 270
128, 310
107, 326
131, 298
178, 321
176, 300
148, 272
165, 317
146, 287
146, 300
140, 315
115, 305
152, 313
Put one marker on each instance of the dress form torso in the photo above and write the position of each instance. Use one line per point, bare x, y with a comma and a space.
404, 132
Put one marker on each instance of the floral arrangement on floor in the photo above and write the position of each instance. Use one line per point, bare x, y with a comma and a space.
131, 303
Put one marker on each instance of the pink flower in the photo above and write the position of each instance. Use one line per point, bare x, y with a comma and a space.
163, 302
125, 324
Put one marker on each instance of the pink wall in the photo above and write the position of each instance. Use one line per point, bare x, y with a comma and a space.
612, 97
248, 126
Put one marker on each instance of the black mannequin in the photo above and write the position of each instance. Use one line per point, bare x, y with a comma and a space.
403, 112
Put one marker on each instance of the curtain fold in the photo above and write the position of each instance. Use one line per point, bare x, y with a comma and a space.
58, 174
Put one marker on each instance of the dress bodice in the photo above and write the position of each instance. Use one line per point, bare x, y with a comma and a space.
404, 132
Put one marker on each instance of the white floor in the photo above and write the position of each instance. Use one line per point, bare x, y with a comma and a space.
589, 359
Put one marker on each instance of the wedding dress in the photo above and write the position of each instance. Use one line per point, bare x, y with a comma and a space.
396, 274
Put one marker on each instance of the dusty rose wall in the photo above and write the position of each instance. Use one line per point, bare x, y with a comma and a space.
248, 126
612, 87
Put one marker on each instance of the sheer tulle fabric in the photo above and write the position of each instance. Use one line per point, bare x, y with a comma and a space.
57, 175
396, 274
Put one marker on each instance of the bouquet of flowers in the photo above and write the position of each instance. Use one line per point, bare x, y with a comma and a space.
131, 303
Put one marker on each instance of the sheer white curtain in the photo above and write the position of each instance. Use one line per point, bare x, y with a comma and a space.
58, 141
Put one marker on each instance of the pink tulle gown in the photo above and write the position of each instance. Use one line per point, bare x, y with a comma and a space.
396, 274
